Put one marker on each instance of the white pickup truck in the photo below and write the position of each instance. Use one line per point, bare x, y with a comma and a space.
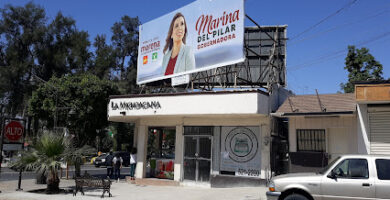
346, 177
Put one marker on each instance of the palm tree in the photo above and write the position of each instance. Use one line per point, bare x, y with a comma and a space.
47, 155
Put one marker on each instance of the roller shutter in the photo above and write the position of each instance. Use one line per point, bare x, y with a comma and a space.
379, 123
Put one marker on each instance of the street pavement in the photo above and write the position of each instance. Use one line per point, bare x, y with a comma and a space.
8, 174
125, 190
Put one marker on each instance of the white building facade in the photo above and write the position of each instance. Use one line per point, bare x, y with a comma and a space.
322, 127
197, 138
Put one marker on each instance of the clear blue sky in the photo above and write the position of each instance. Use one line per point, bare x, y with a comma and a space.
315, 60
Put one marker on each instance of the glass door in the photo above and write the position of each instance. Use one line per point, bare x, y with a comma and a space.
161, 152
197, 158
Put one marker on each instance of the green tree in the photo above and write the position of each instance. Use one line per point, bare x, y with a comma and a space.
361, 66
64, 49
48, 153
28, 45
21, 32
125, 43
104, 60
84, 94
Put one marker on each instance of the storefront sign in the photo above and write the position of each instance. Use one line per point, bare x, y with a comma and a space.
240, 151
207, 34
135, 105
189, 104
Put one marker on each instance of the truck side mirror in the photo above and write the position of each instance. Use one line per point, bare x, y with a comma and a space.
332, 175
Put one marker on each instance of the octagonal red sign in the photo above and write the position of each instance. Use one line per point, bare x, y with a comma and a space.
14, 131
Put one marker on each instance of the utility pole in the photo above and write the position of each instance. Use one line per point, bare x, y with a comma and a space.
1, 140
2, 105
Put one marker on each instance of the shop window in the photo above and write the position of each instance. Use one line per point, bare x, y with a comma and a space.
311, 140
161, 153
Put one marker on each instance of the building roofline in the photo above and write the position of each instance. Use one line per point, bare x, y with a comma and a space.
371, 82
186, 93
315, 113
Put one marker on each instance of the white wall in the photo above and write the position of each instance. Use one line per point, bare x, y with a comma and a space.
339, 141
265, 131
362, 129
179, 152
340, 132
141, 150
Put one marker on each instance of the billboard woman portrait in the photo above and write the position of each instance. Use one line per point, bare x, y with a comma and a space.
178, 57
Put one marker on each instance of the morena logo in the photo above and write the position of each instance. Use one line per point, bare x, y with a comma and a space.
145, 60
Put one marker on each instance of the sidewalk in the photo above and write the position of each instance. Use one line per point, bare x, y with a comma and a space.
127, 191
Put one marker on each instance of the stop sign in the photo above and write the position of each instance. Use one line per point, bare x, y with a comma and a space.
14, 131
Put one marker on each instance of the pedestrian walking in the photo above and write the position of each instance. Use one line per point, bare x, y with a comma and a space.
133, 162
109, 159
117, 163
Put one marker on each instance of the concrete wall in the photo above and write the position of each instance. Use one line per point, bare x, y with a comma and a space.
341, 136
179, 122
141, 150
179, 152
362, 129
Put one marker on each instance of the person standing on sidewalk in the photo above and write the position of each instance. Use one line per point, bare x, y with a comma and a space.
109, 159
117, 162
133, 162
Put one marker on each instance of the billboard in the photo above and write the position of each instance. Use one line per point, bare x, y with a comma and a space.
202, 35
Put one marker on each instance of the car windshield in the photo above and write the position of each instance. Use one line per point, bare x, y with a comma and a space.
322, 171
102, 156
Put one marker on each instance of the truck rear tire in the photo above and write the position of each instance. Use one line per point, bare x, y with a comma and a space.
295, 197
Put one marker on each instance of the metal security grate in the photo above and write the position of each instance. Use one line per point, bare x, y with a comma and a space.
311, 140
198, 130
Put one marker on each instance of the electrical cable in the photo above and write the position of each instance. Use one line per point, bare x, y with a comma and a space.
335, 54
323, 20
294, 89
335, 28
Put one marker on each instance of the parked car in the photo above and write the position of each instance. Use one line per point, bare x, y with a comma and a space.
347, 177
100, 160
92, 160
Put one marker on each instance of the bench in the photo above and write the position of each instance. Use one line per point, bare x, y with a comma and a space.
92, 182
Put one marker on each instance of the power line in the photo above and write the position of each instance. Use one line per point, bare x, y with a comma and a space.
337, 27
326, 18
319, 60
336, 54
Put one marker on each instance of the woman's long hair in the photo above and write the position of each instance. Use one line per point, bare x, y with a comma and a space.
169, 40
